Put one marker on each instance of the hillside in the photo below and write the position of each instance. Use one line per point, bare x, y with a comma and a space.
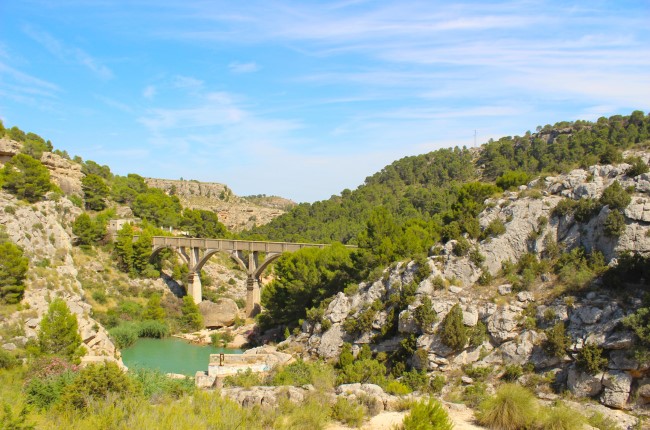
236, 213
525, 260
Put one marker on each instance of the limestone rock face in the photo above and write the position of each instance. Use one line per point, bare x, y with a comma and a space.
8, 148
220, 314
64, 173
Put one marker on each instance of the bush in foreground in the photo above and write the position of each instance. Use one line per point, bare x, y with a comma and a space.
513, 407
427, 415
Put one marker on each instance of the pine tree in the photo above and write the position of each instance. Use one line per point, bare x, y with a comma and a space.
59, 334
95, 192
153, 310
192, 318
13, 268
26, 178
453, 332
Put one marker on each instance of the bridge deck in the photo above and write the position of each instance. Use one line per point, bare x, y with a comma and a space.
232, 245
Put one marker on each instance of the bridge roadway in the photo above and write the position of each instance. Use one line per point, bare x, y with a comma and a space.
197, 251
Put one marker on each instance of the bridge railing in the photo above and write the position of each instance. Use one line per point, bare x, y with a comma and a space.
234, 245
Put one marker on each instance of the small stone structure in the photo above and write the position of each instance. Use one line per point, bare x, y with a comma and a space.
258, 360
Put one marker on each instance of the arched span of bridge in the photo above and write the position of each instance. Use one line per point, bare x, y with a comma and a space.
196, 253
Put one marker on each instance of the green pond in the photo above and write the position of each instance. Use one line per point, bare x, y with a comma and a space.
171, 355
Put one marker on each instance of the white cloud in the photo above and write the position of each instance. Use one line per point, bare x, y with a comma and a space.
66, 53
236, 67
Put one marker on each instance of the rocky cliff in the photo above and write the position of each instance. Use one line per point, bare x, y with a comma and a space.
515, 322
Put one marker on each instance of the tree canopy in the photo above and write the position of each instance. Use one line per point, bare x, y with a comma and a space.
26, 178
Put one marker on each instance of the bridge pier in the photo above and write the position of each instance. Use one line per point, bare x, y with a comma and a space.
253, 297
194, 287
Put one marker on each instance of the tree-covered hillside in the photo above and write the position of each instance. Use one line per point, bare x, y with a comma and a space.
425, 192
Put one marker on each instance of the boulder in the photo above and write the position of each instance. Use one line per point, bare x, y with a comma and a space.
339, 308
617, 389
583, 384
502, 324
220, 314
331, 342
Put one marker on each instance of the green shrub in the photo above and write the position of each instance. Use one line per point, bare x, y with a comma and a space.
192, 319
363, 371
42, 393
590, 359
638, 167
124, 335
560, 417
154, 329
427, 415
512, 178
58, 334
474, 394
513, 407
397, 388
564, 207
221, 340
476, 257
477, 334
319, 374
601, 422
415, 380
424, 315
7, 360
155, 384
13, 271
461, 247
96, 382
349, 412
512, 372
479, 373
615, 196
614, 224
436, 384
586, 209
243, 378
452, 330
557, 341
100, 297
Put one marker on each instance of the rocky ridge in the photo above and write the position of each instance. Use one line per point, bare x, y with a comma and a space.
236, 213
591, 317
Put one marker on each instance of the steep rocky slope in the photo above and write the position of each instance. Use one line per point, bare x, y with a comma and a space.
236, 213
515, 322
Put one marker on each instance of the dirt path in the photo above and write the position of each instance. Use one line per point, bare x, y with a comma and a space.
461, 415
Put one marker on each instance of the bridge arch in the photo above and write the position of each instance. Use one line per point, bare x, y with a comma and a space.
157, 249
197, 251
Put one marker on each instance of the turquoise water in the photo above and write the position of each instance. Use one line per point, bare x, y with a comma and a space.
171, 355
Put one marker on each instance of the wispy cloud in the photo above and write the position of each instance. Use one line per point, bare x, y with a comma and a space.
237, 67
149, 92
68, 53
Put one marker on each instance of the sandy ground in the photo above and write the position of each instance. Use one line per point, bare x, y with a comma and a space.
462, 417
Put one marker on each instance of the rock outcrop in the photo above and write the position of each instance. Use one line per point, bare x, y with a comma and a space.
223, 313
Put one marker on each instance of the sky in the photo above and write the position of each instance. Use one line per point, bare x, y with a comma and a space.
303, 99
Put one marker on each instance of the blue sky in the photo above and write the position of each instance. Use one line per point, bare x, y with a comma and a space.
303, 99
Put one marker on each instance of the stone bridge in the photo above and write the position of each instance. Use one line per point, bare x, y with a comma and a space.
196, 252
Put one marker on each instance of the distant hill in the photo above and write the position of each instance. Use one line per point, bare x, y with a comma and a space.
236, 213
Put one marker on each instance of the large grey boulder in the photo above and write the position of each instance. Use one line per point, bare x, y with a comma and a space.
220, 314
617, 389
583, 384
502, 325
339, 308
331, 342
